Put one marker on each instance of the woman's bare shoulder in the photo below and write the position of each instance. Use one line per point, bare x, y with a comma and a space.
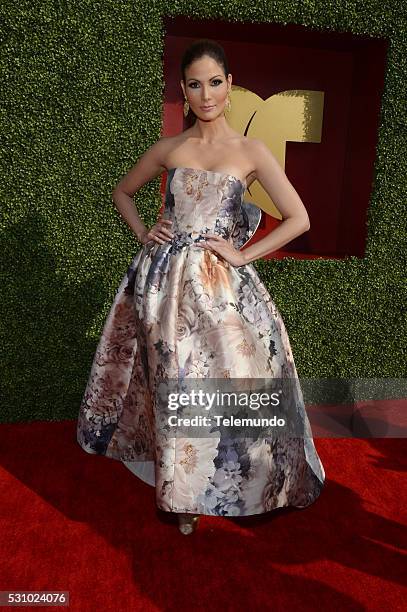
259, 152
159, 151
166, 145
249, 149
253, 143
253, 147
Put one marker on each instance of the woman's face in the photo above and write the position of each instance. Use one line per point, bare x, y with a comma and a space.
206, 86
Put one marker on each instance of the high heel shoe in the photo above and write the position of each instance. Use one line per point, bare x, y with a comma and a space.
188, 523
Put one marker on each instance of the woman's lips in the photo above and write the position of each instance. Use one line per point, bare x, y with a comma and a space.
207, 108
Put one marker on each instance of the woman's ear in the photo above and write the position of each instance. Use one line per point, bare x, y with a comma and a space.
183, 88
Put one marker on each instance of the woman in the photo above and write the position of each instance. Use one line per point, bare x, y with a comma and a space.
191, 306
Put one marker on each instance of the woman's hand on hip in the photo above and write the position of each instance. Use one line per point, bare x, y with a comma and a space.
160, 232
224, 248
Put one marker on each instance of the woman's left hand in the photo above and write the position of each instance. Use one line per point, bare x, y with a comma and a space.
224, 248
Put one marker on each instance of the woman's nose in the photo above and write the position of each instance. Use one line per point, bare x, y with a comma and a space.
205, 94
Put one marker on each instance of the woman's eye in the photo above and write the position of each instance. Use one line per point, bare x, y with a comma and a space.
215, 82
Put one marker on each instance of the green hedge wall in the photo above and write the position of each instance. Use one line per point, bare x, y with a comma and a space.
82, 89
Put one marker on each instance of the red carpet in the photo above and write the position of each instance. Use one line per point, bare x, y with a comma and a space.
84, 524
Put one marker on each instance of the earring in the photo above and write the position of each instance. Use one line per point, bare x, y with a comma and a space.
228, 104
186, 107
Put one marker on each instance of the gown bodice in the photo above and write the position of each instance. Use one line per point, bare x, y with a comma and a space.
206, 201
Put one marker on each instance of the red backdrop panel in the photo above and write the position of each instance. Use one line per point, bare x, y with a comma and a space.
333, 177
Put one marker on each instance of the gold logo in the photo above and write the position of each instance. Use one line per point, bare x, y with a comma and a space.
293, 115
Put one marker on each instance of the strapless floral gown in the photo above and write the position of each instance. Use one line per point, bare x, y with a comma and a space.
183, 312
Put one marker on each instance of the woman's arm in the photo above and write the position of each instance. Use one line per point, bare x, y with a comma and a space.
147, 168
274, 180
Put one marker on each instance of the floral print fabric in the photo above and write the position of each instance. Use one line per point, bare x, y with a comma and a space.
183, 312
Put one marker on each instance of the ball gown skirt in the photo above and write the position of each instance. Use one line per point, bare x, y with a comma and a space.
183, 312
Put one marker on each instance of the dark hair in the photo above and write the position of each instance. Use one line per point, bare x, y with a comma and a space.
201, 47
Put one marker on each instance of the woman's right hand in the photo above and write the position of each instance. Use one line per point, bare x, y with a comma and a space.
160, 232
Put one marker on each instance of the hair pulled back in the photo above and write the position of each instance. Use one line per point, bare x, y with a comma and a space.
201, 47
